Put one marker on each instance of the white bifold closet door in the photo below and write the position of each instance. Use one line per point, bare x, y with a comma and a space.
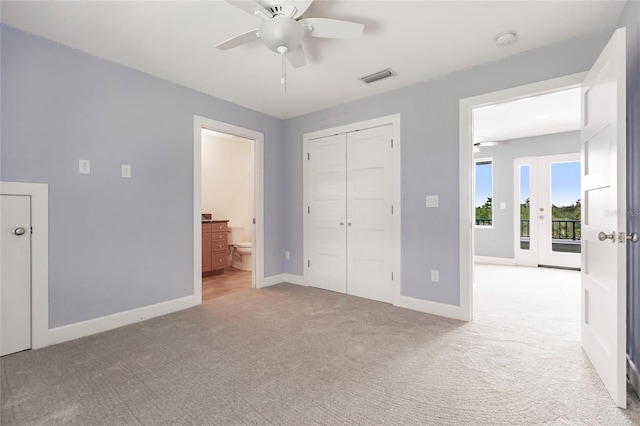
350, 213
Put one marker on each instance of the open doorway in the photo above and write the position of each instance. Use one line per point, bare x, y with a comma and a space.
228, 208
527, 181
227, 180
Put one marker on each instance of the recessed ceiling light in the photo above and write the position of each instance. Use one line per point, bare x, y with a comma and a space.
506, 38
543, 116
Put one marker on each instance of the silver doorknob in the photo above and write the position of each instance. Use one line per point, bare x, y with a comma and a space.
18, 231
541, 216
602, 236
633, 237
349, 224
341, 223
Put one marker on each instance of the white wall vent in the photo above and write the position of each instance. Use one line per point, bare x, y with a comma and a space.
378, 76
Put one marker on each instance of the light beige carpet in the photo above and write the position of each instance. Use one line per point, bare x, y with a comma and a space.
295, 355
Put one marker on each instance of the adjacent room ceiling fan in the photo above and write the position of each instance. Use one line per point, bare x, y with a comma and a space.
479, 142
282, 30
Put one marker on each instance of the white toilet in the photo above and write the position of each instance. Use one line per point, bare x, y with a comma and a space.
241, 253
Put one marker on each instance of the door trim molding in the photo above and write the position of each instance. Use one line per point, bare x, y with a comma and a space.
39, 193
465, 168
258, 203
394, 120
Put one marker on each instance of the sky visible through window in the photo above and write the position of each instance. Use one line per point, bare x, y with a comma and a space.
483, 182
565, 183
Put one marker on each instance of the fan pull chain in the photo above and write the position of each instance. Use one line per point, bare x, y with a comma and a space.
283, 80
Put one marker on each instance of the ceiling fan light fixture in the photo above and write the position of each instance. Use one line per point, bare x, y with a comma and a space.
281, 32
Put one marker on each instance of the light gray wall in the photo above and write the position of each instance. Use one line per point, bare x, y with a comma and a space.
631, 20
429, 115
115, 244
497, 241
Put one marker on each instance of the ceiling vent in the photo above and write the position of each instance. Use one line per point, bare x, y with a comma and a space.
378, 76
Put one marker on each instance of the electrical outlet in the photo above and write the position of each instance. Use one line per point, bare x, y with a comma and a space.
126, 171
287, 255
435, 275
85, 167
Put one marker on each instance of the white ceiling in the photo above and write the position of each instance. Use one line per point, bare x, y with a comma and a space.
539, 115
420, 40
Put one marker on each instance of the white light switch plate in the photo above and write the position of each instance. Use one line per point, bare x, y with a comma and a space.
435, 275
503, 205
126, 171
85, 167
432, 201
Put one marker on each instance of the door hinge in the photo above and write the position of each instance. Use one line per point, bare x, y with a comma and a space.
308, 264
392, 276
254, 220
391, 209
308, 156
391, 143
308, 209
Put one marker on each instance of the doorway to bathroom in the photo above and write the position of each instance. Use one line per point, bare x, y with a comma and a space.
227, 213
228, 203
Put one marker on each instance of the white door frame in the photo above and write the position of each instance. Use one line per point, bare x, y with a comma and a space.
466, 167
39, 193
394, 120
257, 273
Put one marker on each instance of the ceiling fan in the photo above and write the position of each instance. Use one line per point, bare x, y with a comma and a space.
282, 30
480, 142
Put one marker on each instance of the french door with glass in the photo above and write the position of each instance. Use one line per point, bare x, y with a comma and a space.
548, 211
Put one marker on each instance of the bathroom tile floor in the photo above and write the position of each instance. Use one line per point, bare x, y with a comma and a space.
232, 281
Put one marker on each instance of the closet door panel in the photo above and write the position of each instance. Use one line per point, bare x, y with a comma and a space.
327, 268
369, 215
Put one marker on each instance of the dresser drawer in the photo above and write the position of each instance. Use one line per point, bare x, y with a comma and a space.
218, 226
218, 260
219, 246
206, 228
219, 237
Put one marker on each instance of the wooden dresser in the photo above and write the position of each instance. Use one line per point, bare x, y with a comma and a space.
215, 247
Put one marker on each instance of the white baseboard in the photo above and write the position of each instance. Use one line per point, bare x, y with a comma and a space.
434, 308
283, 278
633, 375
494, 260
109, 322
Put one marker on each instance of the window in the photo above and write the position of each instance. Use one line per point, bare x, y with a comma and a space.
484, 192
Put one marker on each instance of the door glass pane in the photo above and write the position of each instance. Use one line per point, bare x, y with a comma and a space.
565, 206
484, 192
525, 193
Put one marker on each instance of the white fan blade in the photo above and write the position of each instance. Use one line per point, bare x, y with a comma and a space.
251, 8
238, 40
333, 28
300, 5
296, 57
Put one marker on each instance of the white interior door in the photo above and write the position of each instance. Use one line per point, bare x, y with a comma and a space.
603, 148
558, 186
326, 213
369, 213
15, 273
